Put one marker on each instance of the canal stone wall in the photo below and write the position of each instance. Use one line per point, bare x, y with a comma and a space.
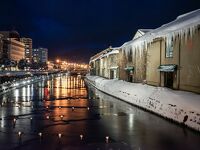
179, 106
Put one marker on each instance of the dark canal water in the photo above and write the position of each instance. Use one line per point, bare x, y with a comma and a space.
61, 114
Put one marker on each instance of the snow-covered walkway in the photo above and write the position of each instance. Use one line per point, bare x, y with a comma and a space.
180, 106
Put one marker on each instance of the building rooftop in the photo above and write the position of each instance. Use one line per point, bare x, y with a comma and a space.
180, 26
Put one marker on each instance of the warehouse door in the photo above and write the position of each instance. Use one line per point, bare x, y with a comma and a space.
169, 79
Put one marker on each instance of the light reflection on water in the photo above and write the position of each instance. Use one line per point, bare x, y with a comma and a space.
127, 127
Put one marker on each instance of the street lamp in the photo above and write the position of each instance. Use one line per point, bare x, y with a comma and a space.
57, 60
81, 137
107, 139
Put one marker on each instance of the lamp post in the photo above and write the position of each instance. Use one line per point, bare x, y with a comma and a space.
20, 137
40, 135
81, 137
107, 139
58, 63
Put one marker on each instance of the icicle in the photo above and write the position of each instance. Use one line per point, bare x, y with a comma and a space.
192, 31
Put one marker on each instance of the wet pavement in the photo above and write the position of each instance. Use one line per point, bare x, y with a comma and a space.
62, 114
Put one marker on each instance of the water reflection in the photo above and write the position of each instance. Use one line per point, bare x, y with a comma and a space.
16, 95
56, 114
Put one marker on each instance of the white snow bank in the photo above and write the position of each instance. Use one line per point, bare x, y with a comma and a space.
175, 105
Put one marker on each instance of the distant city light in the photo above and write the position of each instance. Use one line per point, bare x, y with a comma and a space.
57, 60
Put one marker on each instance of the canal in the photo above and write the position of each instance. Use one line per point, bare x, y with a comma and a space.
61, 113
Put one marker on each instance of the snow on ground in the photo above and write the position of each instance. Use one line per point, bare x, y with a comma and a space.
180, 106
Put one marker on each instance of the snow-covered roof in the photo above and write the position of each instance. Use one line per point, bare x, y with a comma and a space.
182, 24
105, 53
141, 32
99, 55
145, 30
115, 51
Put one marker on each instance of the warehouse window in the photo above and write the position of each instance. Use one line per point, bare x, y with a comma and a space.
169, 48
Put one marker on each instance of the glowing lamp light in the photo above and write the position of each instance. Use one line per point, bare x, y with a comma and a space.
14, 120
61, 116
59, 135
88, 108
47, 117
40, 134
81, 137
107, 139
19, 133
57, 60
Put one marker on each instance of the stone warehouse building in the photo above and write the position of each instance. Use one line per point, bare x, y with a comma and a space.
133, 59
105, 63
95, 63
168, 56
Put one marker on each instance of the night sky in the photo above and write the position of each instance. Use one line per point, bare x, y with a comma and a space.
77, 29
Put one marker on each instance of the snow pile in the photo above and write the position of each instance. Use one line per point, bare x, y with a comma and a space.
182, 107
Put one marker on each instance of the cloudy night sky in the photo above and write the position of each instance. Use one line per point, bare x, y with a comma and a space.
77, 29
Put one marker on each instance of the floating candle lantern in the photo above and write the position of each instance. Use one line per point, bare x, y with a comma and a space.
107, 139
61, 116
59, 135
40, 134
19, 133
81, 137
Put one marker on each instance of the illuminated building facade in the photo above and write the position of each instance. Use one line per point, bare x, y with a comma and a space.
40, 55
28, 48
